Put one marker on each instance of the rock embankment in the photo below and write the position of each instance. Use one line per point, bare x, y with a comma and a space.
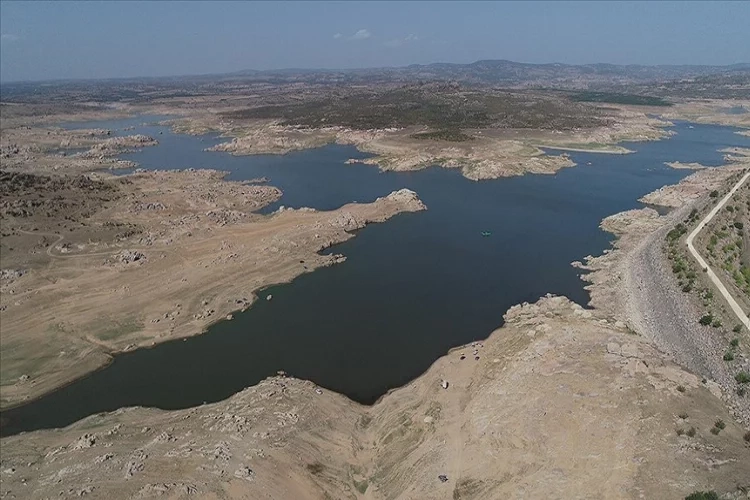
636, 283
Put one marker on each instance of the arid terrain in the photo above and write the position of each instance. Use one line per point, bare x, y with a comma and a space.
561, 403
116, 263
633, 398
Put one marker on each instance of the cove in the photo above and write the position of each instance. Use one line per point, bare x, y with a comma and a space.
410, 289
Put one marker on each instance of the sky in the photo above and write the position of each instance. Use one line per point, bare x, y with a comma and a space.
113, 39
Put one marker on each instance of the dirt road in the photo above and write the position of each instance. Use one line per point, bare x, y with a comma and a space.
704, 265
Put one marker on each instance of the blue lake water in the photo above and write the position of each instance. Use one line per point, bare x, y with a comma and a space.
410, 289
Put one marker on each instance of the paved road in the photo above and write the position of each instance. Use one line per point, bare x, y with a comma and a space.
711, 274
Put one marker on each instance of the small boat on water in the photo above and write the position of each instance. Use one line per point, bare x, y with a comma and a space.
486, 233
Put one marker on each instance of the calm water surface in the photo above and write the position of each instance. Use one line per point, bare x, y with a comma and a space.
410, 289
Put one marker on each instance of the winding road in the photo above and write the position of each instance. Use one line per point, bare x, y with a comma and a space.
711, 274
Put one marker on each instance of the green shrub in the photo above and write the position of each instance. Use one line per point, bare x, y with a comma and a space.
742, 378
315, 467
691, 432
746, 437
714, 194
706, 319
715, 431
681, 388
735, 342
739, 225
683, 415
703, 495
729, 356
719, 424
676, 232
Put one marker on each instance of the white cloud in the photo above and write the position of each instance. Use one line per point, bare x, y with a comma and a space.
337, 35
398, 42
9, 37
361, 35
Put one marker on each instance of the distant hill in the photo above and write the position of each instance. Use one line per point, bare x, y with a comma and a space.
502, 72
659, 81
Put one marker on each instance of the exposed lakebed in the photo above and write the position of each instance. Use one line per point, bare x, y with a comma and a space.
410, 289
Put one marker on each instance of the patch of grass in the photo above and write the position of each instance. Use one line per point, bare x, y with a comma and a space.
742, 378
120, 329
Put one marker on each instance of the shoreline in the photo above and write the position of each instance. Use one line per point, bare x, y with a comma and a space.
617, 150
295, 230
111, 352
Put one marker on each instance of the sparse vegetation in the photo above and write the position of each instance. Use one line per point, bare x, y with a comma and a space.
450, 135
615, 98
440, 106
706, 319
691, 432
681, 388
742, 378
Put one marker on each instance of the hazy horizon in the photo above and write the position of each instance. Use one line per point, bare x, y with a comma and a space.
108, 40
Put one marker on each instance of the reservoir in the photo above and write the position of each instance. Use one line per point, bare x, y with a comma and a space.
410, 289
